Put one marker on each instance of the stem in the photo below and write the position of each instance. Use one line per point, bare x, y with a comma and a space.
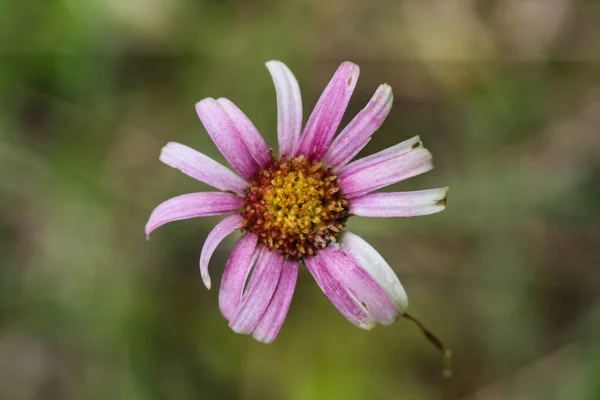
436, 342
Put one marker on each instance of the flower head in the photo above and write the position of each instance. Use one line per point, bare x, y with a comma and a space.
293, 209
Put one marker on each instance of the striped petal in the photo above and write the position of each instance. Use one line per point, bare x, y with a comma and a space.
260, 291
271, 322
253, 140
241, 260
202, 168
327, 114
357, 134
385, 168
360, 284
374, 264
400, 204
337, 293
223, 229
289, 107
192, 205
226, 136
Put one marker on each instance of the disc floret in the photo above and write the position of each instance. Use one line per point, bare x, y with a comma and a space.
295, 206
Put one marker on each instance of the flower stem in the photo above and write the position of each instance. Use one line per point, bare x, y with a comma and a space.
436, 342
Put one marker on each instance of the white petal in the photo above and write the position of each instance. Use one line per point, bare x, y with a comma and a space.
400, 204
289, 107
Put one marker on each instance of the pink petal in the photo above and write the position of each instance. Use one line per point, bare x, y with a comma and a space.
385, 168
216, 236
337, 293
327, 114
242, 259
357, 134
192, 205
259, 293
400, 204
202, 168
363, 288
248, 133
224, 132
271, 322
289, 107
374, 264
389, 153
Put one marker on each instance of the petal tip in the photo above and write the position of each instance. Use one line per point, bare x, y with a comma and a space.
165, 150
275, 65
386, 89
354, 71
204, 274
264, 339
442, 202
442, 199
148, 229
383, 97
202, 103
367, 326
272, 63
237, 328
350, 64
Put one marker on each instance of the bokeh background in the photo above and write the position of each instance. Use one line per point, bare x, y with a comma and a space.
506, 95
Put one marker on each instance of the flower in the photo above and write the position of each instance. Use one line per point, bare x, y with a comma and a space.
294, 209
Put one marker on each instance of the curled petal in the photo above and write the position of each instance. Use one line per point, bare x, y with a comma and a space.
385, 168
400, 204
327, 114
192, 205
253, 140
216, 236
360, 284
202, 168
338, 294
241, 260
260, 291
271, 322
289, 107
357, 134
226, 136
372, 262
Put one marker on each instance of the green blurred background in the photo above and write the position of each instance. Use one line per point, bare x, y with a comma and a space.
506, 95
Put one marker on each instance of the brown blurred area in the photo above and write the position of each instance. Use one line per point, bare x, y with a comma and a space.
504, 93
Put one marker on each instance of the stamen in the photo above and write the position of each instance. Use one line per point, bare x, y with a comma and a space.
295, 206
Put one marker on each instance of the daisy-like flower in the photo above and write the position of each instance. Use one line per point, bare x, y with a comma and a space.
293, 210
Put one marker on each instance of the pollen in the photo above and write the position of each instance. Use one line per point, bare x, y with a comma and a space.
295, 207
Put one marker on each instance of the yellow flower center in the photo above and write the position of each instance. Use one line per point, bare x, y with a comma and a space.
295, 206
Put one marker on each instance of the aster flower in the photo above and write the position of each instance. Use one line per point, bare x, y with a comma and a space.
293, 210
